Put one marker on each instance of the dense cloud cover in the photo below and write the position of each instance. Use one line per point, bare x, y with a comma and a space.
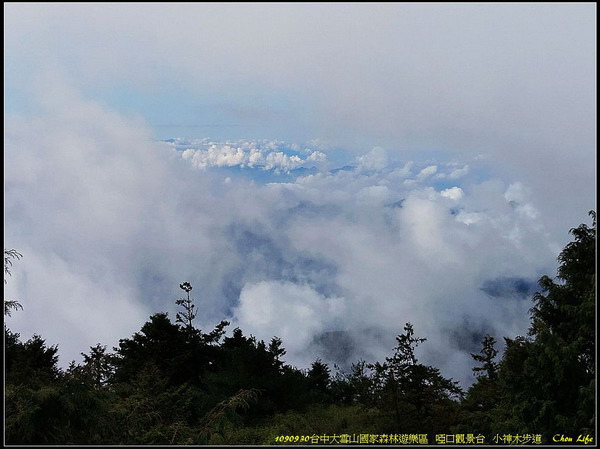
423, 163
333, 261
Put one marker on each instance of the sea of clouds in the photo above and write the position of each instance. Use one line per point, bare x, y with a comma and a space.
274, 237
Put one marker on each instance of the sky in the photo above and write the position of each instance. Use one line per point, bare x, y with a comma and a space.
321, 172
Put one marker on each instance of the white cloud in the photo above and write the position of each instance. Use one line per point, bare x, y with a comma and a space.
453, 193
426, 172
280, 160
401, 173
469, 218
516, 192
376, 159
459, 172
72, 308
317, 156
455, 174
374, 195
264, 155
295, 313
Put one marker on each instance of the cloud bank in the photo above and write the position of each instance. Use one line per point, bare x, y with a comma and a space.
334, 260
265, 155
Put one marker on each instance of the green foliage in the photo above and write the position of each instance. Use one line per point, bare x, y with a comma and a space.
152, 412
319, 419
179, 356
355, 387
31, 363
328, 420
224, 413
53, 414
45, 405
547, 380
98, 367
243, 363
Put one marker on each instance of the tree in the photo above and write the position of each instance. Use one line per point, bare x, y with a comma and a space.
216, 421
164, 345
276, 349
43, 404
418, 395
189, 309
548, 377
214, 336
31, 363
319, 379
356, 387
9, 304
10, 254
98, 365
566, 308
482, 397
489, 368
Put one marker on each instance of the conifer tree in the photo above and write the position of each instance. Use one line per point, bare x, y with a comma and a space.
488, 353
548, 377
411, 390
319, 379
186, 317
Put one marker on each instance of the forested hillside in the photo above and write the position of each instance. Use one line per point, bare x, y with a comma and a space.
173, 383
